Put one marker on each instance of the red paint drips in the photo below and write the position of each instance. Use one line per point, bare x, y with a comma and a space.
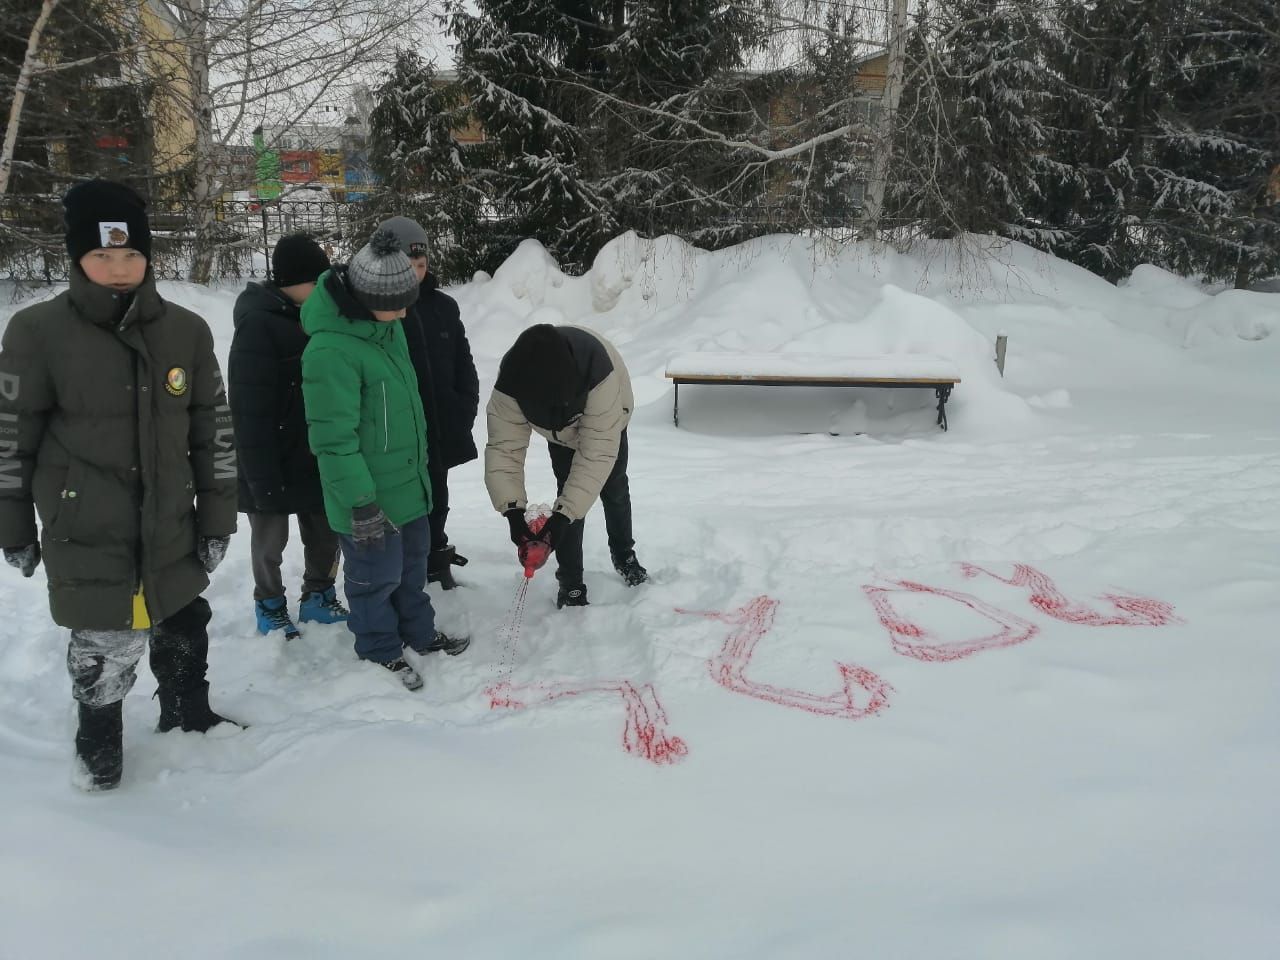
862, 693
644, 733
1049, 600
914, 640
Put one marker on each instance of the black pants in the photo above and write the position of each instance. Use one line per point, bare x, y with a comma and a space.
615, 497
439, 477
102, 663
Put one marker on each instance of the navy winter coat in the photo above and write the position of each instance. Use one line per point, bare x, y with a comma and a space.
447, 377
278, 472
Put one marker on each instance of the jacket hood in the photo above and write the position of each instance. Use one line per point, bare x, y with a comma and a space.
332, 309
262, 298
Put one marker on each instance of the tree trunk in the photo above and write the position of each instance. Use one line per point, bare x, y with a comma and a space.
204, 195
29, 63
873, 203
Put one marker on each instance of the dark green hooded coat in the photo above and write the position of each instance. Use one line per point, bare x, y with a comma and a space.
364, 414
114, 424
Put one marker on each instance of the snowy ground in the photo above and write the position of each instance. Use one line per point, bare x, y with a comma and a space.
1005, 692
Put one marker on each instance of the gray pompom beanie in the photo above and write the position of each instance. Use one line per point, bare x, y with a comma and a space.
381, 276
413, 239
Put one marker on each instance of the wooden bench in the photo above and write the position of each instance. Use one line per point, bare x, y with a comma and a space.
816, 370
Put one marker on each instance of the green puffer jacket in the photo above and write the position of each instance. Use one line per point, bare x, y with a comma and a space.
115, 427
364, 414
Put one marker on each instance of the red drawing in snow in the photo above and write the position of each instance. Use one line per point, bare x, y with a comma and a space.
645, 732
862, 693
912, 639
1049, 600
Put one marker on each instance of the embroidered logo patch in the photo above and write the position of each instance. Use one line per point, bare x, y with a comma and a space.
113, 233
175, 381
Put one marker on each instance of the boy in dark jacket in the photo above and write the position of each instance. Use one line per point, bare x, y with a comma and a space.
448, 385
570, 385
369, 434
278, 472
114, 428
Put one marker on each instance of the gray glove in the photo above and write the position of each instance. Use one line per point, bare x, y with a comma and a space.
211, 550
370, 526
25, 558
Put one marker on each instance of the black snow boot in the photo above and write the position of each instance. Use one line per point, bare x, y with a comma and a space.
571, 595
188, 709
440, 563
629, 569
100, 747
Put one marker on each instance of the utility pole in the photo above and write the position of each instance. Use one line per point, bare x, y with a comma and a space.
873, 203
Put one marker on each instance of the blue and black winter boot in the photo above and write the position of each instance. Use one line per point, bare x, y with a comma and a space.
322, 607
273, 614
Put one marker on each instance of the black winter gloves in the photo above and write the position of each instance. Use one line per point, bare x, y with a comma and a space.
370, 526
520, 532
25, 558
554, 529
211, 550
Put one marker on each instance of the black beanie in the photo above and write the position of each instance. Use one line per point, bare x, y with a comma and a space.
102, 213
297, 259
539, 368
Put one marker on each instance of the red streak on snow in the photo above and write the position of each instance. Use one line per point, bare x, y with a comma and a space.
862, 692
645, 732
1049, 600
913, 640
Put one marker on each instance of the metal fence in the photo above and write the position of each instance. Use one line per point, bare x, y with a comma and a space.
244, 232
32, 248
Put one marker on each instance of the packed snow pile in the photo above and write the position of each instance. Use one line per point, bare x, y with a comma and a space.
660, 298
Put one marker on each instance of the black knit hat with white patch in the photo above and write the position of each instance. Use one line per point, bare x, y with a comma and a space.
103, 213
381, 276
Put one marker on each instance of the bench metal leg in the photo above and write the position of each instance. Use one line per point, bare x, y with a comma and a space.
943, 394
675, 410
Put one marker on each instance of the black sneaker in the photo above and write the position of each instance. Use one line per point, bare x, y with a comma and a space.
450, 645
408, 676
572, 596
629, 569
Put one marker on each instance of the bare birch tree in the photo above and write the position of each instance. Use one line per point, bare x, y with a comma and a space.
236, 64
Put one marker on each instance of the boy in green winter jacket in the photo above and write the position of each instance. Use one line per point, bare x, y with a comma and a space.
367, 429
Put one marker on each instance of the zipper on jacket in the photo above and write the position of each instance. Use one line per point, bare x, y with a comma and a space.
386, 429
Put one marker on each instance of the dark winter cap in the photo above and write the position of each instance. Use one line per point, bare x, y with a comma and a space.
102, 213
539, 368
381, 276
413, 239
297, 259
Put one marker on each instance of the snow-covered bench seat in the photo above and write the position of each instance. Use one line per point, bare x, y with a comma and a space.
816, 370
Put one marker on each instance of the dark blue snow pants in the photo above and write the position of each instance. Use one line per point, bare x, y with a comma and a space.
386, 593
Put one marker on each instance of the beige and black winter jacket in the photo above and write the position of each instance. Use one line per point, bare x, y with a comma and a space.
591, 424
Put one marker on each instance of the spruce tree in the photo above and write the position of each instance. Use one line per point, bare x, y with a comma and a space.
600, 115
973, 146
1164, 165
413, 149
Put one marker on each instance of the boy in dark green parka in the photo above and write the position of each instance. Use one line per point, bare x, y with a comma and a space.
115, 431
368, 432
